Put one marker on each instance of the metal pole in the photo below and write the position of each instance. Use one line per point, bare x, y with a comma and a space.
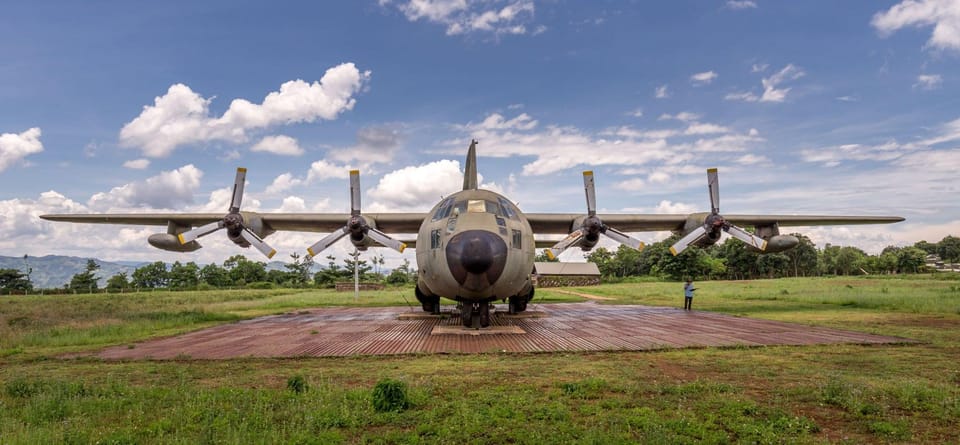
356, 275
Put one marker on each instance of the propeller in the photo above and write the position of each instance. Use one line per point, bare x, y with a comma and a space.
233, 222
357, 226
714, 223
591, 227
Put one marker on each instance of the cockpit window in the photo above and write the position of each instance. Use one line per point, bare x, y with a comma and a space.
444, 210
508, 209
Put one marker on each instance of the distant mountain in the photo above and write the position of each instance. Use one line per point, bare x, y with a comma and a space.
54, 271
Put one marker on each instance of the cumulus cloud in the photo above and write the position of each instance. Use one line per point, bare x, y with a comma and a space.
928, 82
495, 17
283, 183
703, 78
182, 117
322, 170
137, 164
636, 113
772, 92
496, 121
169, 189
942, 15
14, 147
417, 188
278, 145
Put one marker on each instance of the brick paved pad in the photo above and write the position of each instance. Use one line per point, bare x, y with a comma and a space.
558, 327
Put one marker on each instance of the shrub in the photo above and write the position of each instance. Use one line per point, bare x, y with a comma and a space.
390, 395
297, 384
261, 285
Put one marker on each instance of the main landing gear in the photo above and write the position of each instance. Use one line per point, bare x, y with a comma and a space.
475, 315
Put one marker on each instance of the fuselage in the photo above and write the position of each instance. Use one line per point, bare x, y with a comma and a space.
475, 246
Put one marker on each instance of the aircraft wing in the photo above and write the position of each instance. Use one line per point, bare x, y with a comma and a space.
298, 222
557, 223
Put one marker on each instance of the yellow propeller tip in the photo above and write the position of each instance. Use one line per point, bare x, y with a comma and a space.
180, 237
354, 172
673, 251
712, 170
402, 246
550, 255
271, 254
242, 169
311, 252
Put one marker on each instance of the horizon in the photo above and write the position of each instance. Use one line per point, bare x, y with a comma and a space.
806, 108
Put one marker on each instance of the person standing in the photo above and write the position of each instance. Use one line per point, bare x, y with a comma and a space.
688, 295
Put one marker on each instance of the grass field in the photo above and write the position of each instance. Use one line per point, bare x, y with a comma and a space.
815, 394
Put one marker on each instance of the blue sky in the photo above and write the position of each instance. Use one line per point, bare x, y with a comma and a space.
809, 107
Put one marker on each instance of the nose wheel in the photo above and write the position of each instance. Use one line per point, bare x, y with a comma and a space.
475, 315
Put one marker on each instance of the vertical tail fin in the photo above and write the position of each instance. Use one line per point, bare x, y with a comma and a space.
470, 169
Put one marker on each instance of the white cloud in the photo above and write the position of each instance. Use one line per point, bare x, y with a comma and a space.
283, 183
943, 15
14, 147
928, 82
698, 128
465, 17
848, 98
759, 67
417, 188
703, 78
137, 164
168, 190
278, 145
741, 4
752, 159
636, 113
661, 92
771, 90
683, 116
293, 204
182, 117
496, 121
323, 170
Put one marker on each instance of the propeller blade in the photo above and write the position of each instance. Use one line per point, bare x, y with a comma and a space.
354, 192
238, 190
713, 183
623, 238
563, 244
382, 238
687, 240
206, 229
747, 237
591, 192
255, 241
328, 241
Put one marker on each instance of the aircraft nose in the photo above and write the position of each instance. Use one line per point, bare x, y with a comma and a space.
476, 252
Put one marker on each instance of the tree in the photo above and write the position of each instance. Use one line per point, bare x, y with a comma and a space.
184, 276
299, 270
151, 276
361, 266
850, 260
118, 282
12, 280
949, 249
740, 262
930, 248
605, 261
215, 275
803, 258
85, 281
911, 259
244, 271
328, 276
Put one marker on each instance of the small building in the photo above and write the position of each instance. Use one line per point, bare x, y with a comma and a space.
566, 274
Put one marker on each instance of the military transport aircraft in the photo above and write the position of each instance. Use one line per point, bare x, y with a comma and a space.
475, 246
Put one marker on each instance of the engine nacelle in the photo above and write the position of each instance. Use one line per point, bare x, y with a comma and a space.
170, 242
779, 243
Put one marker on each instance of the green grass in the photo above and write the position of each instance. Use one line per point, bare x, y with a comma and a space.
815, 394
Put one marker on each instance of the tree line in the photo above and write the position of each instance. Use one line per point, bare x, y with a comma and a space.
732, 260
237, 271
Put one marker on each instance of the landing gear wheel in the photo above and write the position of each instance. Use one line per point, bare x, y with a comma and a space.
475, 315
